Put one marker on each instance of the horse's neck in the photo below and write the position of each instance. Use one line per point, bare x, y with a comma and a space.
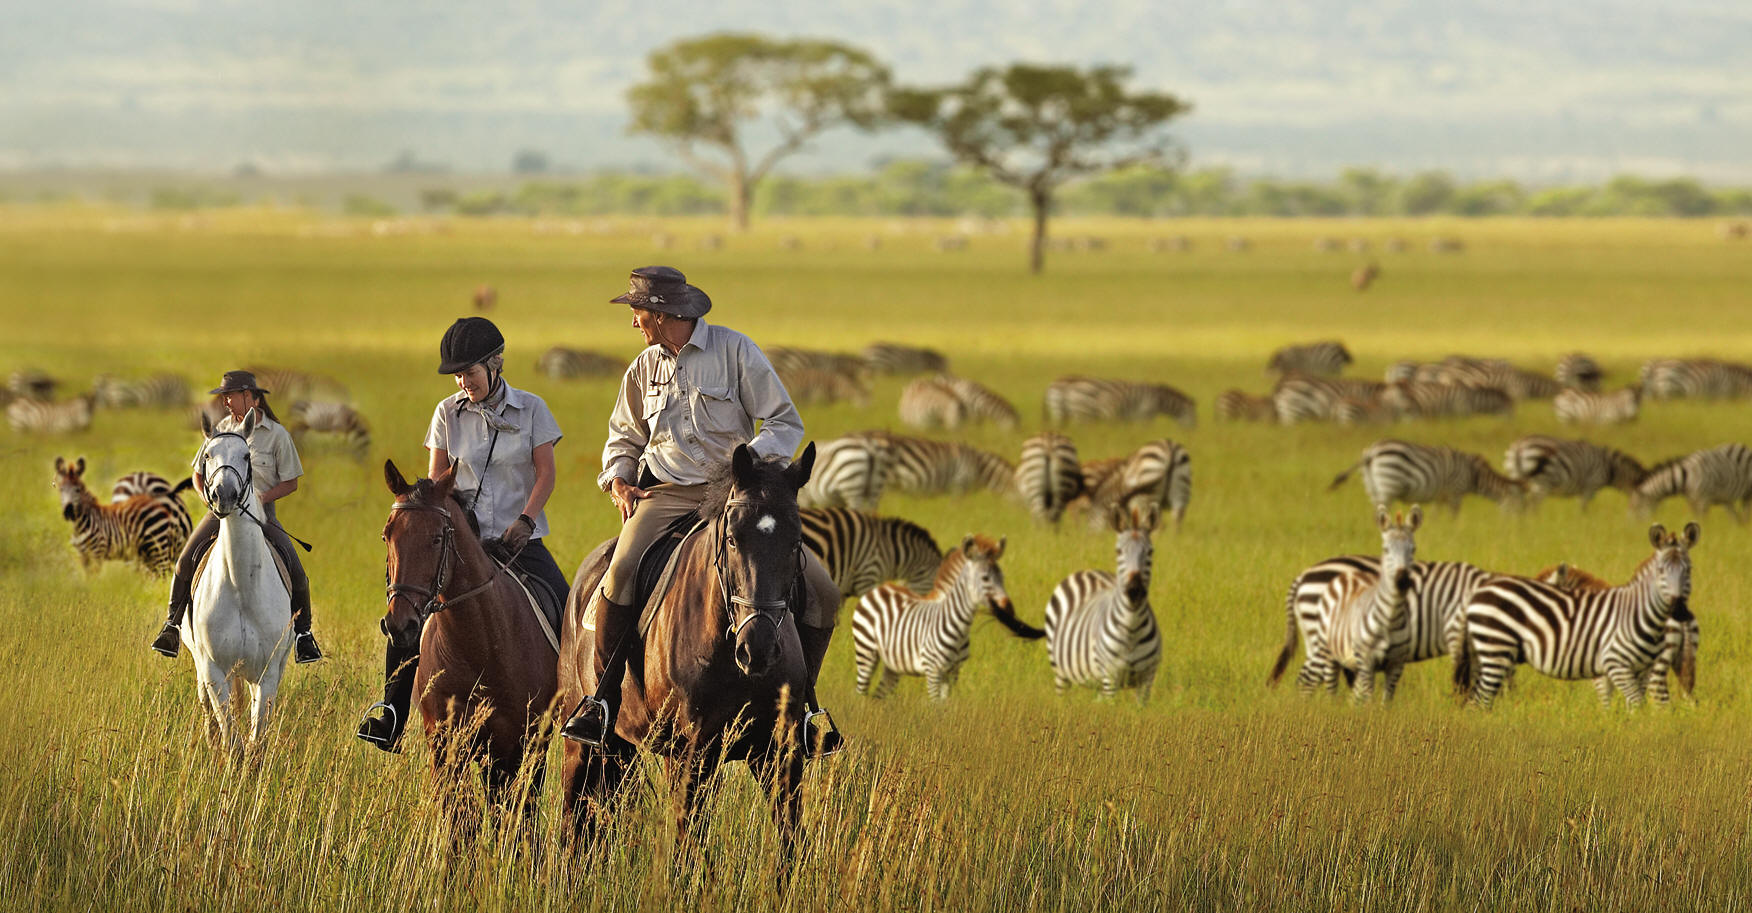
243, 540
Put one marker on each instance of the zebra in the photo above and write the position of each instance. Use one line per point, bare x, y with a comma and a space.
1580, 406
902, 632
930, 402
329, 418
1550, 466
1299, 398
1357, 610
862, 550
1241, 406
894, 358
1617, 632
1089, 398
813, 385
1413, 399
42, 417
1468, 371
1316, 359
32, 383
1706, 378
289, 384
982, 403
1100, 628
1719, 475
562, 363
1395, 470
850, 471
785, 359
928, 467
157, 391
1048, 475
1679, 654
154, 485
1158, 473
144, 528
1578, 371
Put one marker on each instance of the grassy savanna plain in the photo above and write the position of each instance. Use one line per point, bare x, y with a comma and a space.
1219, 794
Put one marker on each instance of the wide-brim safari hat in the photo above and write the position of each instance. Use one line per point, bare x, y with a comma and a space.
664, 289
236, 382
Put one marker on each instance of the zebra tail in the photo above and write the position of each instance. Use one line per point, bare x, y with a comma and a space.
187, 484
1345, 475
1465, 676
1007, 617
1290, 632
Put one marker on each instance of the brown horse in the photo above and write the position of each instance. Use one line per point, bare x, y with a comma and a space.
486, 676
720, 675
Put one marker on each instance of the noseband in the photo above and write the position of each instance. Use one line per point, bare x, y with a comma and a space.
247, 474
429, 601
769, 610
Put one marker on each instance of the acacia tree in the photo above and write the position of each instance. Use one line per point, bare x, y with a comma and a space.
1035, 127
706, 95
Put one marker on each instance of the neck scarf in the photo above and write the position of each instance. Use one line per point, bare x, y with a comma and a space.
491, 406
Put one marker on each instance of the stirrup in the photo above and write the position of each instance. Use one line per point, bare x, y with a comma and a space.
389, 743
158, 644
830, 741
298, 642
574, 727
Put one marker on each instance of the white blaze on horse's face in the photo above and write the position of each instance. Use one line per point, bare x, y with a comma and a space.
767, 524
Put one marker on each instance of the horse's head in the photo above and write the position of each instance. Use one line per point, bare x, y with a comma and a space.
70, 485
225, 467
421, 535
760, 552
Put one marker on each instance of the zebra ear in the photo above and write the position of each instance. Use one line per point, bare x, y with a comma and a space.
1382, 517
79, 467
1656, 534
60, 466
398, 485
967, 544
1692, 531
1000, 552
1416, 516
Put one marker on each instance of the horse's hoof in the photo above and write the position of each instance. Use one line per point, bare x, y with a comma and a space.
168, 641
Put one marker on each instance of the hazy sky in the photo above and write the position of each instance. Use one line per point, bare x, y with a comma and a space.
1523, 88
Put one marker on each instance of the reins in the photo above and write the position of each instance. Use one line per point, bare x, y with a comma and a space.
435, 601
766, 609
248, 476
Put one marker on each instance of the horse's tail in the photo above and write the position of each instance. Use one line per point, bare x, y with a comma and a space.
1006, 616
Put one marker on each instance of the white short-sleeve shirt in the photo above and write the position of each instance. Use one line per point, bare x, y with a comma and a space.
272, 457
459, 429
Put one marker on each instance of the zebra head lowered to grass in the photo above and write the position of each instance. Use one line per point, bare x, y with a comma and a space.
1551, 466
1618, 632
1100, 628
1395, 470
1719, 475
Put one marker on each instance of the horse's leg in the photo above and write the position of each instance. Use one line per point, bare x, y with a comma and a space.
782, 774
264, 693
590, 781
690, 780
216, 688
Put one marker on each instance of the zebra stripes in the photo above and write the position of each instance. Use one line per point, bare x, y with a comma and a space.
1617, 632
925, 467
850, 472
42, 417
786, 360
1095, 399
1394, 470
290, 384
930, 402
1241, 406
335, 420
1572, 469
863, 550
893, 358
1100, 628
813, 385
1719, 475
1048, 475
1412, 399
160, 391
148, 528
1299, 398
1579, 372
1158, 473
154, 485
1704, 378
1680, 653
1582, 407
982, 403
1466, 371
1317, 359
562, 363
900, 632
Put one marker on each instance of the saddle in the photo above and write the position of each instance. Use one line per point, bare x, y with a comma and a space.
546, 604
656, 568
207, 553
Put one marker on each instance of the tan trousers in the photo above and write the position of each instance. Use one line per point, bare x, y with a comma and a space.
651, 516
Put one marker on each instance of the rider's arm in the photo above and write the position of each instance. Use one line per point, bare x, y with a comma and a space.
627, 433
279, 491
765, 399
543, 457
439, 462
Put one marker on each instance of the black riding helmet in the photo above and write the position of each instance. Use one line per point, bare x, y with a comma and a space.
468, 342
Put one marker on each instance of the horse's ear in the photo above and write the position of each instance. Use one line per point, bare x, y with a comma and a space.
398, 485
742, 465
206, 424
249, 423
445, 482
802, 467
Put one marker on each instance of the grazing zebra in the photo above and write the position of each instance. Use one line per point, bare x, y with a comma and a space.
338, 420
1158, 473
1571, 469
42, 417
1357, 609
1580, 406
32, 383
1413, 399
1617, 632
562, 363
157, 391
1396, 470
1100, 628
1090, 398
928, 467
1299, 398
1679, 655
1579, 372
930, 402
894, 358
813, 385
1467, 371
146, 528
1241, 406
1705, 378
850, 471
907, 633
784, 359
289, 384
1719, 475
1048, 475
861, 551
1316, 359
982, 403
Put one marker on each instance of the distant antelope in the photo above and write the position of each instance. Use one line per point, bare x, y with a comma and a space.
1364, 276
485, 296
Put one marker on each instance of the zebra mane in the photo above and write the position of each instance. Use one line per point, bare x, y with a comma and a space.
982, 547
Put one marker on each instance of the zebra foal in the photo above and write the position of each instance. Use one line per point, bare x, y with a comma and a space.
1100, 628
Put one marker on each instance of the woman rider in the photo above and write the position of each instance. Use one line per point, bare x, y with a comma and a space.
501, 441
275, 466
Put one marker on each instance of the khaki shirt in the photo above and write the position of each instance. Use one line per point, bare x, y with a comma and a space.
464, 434
272, 457
681, 415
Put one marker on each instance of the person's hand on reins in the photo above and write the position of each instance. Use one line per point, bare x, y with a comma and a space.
626, 496
518, 533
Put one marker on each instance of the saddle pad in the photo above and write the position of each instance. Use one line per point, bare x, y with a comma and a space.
678, 532
279, 565
546, 611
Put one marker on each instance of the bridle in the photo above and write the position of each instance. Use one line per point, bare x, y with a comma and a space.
768, 610
430, 600
247, 474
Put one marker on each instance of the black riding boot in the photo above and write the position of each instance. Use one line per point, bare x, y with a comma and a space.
819, 741
617, 628
170, 637
399, 666
304, 643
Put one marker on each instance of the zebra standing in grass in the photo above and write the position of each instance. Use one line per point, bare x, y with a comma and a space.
144, 528
1572, 469
1618, 632
813, 385
154, 485
1706, 378
982, 403
1093, 399
893, 358
1316, 359
850, 471
930, 402
861, 551
1719, 475
562, 363
784, 359
338, 420
926, 467
1582, 407
1467, 371
1157, 473
1100, 628
1412, 399
1679, 655
1395, 470
1048, 475
905, 633
40, 417
1579, 372
1299, 398
160, 391
1241, 406
32, 383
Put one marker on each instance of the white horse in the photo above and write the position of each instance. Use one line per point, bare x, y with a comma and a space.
240, 628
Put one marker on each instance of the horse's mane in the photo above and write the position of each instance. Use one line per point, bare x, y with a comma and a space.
722, 480
425, 492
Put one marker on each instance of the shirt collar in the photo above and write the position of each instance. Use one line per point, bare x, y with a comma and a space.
698, 338
513, 399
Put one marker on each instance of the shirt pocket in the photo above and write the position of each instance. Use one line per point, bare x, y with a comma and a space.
716, 410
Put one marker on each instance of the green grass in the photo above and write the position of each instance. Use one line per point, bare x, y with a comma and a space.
1219, 794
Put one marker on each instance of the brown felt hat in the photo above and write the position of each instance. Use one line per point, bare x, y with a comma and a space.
664, 289
235, 381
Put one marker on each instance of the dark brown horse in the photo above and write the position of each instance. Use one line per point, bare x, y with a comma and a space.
720, 675
486, 677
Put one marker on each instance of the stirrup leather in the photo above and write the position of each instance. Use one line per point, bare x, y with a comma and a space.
394, 724
574, 728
